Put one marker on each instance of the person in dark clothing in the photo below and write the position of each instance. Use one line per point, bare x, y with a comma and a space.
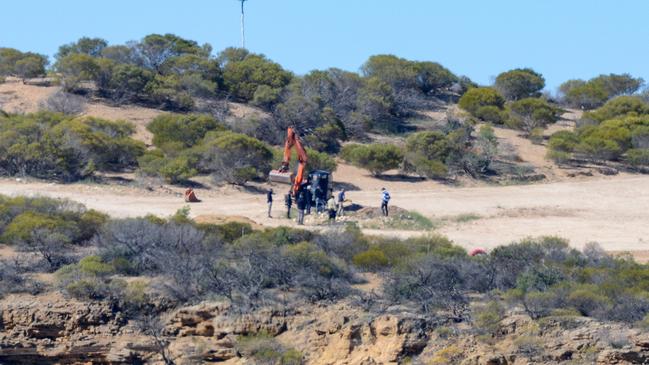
288, 201
269, 201
319, 200
308, 196
385, 198
300, 201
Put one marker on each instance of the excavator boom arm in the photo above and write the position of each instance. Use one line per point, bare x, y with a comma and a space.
292, 140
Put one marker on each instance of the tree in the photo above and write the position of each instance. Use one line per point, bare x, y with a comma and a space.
401, 74
377, 158
376, 105
155, 49
397, 72
616, 85
30, 66
232, 54
85, 45
432, 77
24, 65
519, 83
242, 78
235, 158
8, 59
119, 54
122, 82
596, 91
586, 96
75, 68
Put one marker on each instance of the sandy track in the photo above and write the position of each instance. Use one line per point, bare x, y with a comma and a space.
611, 211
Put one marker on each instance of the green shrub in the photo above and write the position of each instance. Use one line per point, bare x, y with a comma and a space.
488, 318
638, 156
371, 260
23, 65
609, 140
235, 158
491, 114
266, 350
425, 154
266, 96
90, 279
621, 106
50, 145
243, 77
320, 161
563, 141
377, 158
530, 113
187, 130
76, 68
587, 300
226, 232
477, 98
327, 138
402, 74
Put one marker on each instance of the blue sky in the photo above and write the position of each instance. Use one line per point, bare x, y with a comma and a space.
479, 38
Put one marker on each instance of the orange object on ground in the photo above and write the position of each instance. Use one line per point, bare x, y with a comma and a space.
477, 251
190, 196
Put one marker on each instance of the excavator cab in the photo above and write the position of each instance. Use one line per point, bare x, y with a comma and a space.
319, 182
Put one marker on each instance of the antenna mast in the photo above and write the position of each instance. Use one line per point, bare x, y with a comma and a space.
243, 34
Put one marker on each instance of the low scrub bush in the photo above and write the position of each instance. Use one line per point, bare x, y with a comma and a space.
370, 260
609, 140
485, 104
376, 158
264, 349
531, 113
52, 146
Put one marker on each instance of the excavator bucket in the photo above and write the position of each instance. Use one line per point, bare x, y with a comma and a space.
281, 177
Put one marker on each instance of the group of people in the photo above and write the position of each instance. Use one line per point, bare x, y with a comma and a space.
335, 207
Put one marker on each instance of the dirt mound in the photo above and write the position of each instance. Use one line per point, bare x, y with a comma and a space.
375, 212
223, 219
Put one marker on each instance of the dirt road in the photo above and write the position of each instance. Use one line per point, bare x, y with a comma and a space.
611, 210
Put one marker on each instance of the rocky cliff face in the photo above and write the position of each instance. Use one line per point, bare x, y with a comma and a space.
55, 330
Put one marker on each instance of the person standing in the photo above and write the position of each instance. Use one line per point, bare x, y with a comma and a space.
331, 208
385, 198
308, 196
288, 201
300, 201
269, 201
341, 201
319, 200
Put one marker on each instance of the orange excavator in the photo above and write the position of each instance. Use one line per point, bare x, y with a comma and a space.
319, 181
283, 174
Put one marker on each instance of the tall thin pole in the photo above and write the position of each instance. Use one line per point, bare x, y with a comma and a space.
243, 34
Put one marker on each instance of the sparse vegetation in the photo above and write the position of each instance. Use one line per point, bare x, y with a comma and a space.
53, 146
